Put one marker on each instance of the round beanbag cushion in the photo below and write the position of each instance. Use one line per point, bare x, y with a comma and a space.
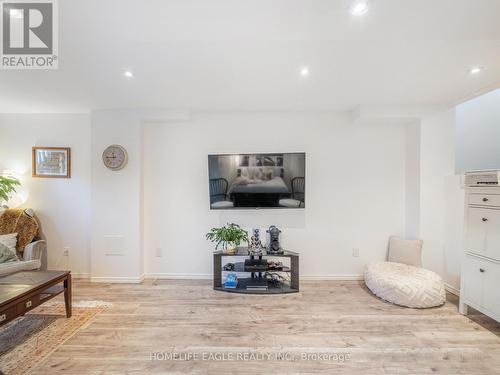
405, 285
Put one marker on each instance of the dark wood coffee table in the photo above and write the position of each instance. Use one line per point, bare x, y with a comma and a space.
25, 290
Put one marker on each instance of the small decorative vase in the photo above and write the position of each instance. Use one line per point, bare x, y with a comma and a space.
256, 243
231, 249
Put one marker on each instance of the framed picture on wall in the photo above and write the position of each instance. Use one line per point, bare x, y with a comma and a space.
52, 162
244, 160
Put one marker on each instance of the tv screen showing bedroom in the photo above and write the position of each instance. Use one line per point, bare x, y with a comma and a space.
257, 181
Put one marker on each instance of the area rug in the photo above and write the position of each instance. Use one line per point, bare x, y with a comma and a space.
26, 341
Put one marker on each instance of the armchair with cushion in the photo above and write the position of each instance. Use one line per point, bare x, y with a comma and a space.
218, 193
30, 246
298, 194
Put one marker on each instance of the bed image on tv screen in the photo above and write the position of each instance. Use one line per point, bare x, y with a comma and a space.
257, 181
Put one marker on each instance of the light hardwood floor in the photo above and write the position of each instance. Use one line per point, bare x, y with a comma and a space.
188, 317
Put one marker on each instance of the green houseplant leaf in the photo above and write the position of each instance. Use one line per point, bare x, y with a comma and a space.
231, 234
7, 187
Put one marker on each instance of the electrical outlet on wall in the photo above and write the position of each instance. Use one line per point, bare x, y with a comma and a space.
159, 252
66, 251
355, 252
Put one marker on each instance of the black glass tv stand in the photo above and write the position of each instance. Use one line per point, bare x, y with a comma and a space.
268, 281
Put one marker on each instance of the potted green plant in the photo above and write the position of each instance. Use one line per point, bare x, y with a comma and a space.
229, 237
7, 187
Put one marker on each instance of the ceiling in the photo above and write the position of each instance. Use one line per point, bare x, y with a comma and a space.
247, 55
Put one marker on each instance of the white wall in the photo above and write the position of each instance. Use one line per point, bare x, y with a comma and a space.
441, 198
412, 170
355, 177
116, 218
62, 205
478, 133
357, 189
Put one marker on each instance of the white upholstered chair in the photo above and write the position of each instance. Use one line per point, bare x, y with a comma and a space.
34, 254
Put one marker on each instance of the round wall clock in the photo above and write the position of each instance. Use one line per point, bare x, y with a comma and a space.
115, 157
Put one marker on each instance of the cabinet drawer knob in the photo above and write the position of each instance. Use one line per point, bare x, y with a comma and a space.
481, 270
485, 199
3, 317
28, 304
484, 219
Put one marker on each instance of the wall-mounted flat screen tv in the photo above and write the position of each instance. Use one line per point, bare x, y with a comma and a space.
257, 181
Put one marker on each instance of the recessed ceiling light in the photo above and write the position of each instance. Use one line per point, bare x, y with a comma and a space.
304, 72
358, 8
128, 74
476, 70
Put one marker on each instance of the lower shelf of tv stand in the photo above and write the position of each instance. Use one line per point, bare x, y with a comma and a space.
272, 288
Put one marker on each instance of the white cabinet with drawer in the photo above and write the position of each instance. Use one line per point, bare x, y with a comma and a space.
474, 279
480, 276
491, 292
478, 199
483, 232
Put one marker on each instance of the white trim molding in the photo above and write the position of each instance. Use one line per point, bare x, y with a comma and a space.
80, 275
179, 276
452, 289
117, 280
332, 277
198, 276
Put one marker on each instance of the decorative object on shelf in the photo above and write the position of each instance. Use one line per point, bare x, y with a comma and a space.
8, 187
255, 265
229, 267
274, 278
229, 236
115, 157
255, 243
231, 281
52, 162
254, 251
274, 265
274, 240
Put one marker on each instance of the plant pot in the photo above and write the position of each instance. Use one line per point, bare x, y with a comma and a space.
231, 250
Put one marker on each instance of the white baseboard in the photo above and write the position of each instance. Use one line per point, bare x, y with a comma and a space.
197, 276
179, 276
452, 290
80, 275
332, 277
117, 280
